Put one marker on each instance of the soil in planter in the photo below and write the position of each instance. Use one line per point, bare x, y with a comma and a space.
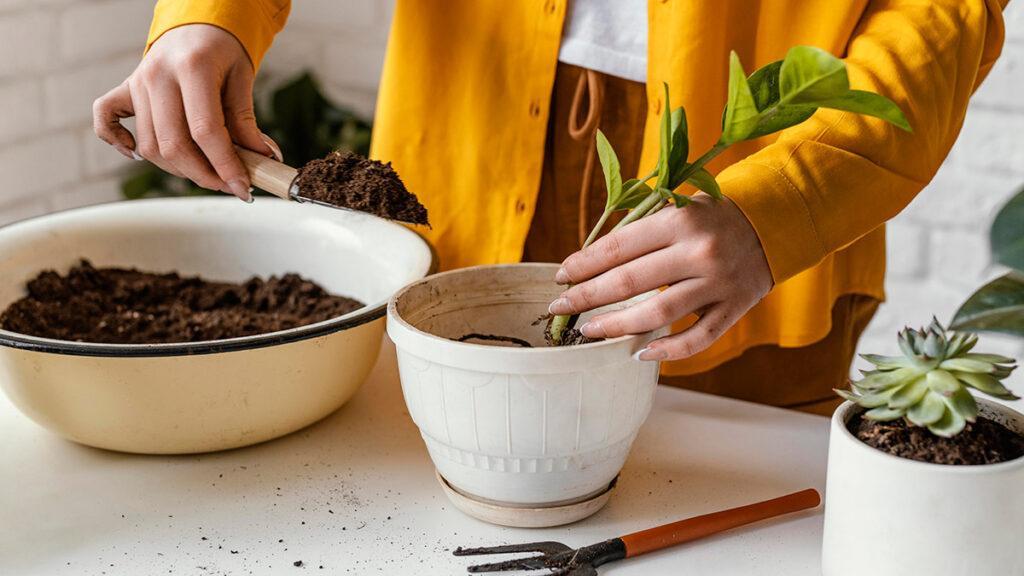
351, 181
982, 442
127, 306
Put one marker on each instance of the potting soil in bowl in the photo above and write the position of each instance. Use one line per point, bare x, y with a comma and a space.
128, 306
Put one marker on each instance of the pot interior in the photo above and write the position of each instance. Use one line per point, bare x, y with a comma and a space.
220, 239
490, 300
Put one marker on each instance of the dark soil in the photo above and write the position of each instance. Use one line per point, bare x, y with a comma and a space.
495, 338
127, 306
982, 442
351, 181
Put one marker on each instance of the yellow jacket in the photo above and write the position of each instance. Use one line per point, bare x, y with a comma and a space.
463, 107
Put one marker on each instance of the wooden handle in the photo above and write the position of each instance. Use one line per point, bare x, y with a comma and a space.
700, 526
266, 173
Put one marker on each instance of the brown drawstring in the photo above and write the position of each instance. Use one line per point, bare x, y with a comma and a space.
593, 83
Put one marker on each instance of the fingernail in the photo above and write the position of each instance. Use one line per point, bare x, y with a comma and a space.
124, 151
592, 329
561, 277
240, 189
251, 198
273, 147
650, 354
560, 306
135, 156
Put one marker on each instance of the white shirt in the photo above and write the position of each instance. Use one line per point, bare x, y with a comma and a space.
608, 36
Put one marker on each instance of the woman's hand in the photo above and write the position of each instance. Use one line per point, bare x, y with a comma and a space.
707, 254
192, 99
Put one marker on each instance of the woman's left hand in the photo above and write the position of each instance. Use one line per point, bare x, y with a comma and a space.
708, 256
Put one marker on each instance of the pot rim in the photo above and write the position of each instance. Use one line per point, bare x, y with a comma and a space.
847, 409
358, 317
395, 317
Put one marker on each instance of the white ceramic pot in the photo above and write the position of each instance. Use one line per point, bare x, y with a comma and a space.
889, 516
516, 426
198, 397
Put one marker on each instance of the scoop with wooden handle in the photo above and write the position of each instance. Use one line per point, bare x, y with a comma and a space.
275, 177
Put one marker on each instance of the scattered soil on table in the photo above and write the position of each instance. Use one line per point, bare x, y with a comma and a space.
351, 181
128, 306
982, 442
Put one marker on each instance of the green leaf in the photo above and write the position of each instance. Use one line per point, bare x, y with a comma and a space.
631, 197
680, 200
611, 169
886, 379
887, 362
665, 140
949, 425
869, 104
909, 394
741, 114
810, 74
705, 182
680, 146
943, 382
964, 404
995, 307
883, 414
764, 85
986, 383
967, 365
1007, 234
993, 358
928, 411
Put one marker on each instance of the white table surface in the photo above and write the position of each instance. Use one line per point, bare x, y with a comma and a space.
356, 494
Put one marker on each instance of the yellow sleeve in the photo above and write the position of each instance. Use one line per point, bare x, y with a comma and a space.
253, 22
825, 183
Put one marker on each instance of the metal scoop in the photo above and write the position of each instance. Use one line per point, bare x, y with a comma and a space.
275, 177
562, 560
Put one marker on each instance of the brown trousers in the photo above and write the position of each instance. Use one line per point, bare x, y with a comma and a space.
572, 190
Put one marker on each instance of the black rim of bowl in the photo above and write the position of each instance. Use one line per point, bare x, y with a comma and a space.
67, 347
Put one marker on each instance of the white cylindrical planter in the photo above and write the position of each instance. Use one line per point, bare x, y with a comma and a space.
516, 426
889, 516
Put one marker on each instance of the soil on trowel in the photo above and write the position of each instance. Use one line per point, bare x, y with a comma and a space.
982, 442
128, 306
349, 180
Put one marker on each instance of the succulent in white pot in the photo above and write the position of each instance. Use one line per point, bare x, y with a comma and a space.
923, 478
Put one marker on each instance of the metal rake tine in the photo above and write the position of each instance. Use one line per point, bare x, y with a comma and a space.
528, 563
543, 547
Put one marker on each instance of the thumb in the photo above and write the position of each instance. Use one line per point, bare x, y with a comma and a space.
240, 115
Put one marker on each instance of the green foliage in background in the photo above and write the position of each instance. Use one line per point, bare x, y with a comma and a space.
999, 305
303, 122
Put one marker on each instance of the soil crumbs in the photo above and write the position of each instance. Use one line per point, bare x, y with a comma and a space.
982, 442
128, 306
351, 181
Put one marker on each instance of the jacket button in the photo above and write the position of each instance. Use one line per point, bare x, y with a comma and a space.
534, 109
550, 6
657, 106
520, 206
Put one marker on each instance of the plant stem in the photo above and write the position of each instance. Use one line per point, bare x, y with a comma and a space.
597, 229
646, 207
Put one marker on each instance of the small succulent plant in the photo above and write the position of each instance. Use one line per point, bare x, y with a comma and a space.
928, 384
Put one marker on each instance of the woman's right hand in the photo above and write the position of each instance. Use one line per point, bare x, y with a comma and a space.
192, 100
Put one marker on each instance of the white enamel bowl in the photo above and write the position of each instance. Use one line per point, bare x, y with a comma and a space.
199, 397
515, 427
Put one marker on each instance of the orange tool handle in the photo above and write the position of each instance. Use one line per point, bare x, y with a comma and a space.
700, 526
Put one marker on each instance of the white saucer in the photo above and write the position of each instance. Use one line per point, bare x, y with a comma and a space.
520, 516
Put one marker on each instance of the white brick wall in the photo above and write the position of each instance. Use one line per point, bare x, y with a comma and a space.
60, 54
